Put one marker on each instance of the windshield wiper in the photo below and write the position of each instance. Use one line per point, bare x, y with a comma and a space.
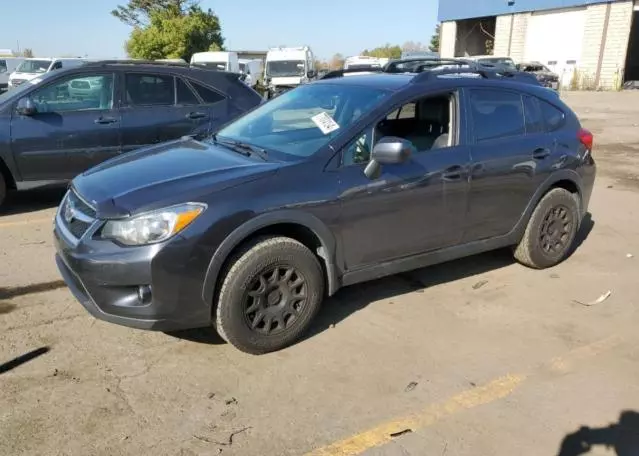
242, 147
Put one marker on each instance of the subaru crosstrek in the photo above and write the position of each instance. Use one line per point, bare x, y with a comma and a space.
336, 182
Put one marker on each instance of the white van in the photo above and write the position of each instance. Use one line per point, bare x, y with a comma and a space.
7, 66
362, 62
32, 68
287, 68
251, 70
218, 61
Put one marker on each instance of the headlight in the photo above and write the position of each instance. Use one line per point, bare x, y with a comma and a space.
152, 227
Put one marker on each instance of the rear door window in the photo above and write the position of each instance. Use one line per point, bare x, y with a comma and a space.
149, 89
496, 114
185, 95
208, 95
3, 66
553, 117
532, 112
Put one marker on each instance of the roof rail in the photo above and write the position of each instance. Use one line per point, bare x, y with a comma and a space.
340, 73
392, 66
485, 73
136, 62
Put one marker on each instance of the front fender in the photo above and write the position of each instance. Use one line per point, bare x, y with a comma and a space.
244, 231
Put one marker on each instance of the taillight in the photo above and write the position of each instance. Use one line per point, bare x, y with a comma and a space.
586, 138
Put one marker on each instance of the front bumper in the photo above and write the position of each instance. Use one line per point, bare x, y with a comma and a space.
107, 279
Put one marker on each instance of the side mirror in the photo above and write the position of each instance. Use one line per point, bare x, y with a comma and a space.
311, 74
26, 107
390, 150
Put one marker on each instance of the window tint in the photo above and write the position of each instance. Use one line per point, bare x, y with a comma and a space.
3, 66
534, 121
56, 66
496, 114
79, 93
553, 117
208, 95
185, 96
149, 90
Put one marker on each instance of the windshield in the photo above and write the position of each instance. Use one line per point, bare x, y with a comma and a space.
285, 68
505, 62
216, 66
34, 66
303, 120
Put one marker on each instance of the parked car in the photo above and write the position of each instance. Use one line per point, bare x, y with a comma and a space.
71, 120
8, 66
543, 74
33, 68
333, 183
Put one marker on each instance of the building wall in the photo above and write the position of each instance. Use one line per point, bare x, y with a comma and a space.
450, 10
595, 37
447, 40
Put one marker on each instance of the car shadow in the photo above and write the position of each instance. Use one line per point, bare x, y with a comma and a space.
33, 200
352, 299
622, 437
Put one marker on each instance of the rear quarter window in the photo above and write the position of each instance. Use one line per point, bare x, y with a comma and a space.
496, 114
554, 117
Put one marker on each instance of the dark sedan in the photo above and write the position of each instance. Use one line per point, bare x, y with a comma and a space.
543, 74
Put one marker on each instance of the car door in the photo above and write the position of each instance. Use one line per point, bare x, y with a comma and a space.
504, 162
152, 112
207, 109
76, 126
413, 207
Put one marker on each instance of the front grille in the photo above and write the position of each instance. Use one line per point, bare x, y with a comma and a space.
76, 215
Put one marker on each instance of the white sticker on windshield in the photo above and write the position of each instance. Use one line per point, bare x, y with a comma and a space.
325, 122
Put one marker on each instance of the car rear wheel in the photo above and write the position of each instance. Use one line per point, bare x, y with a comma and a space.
551, 230
272, 290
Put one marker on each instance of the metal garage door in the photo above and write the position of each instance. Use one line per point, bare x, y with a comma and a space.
555, 38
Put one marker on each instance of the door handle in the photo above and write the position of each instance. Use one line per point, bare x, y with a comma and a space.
196, 115
541, 153
105, 120
454, 173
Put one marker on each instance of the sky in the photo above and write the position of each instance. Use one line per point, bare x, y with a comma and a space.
85, 27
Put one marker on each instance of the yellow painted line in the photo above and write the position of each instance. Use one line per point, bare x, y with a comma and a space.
26, 222
481, 395
357, 444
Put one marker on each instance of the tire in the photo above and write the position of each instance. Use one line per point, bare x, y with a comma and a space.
543, 244
3, 189
259, 290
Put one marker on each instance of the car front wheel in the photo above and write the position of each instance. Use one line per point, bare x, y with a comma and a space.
551, 230
272, 290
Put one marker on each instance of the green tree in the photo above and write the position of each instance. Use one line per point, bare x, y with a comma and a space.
337, 62
169, 29
386, 51
434, 41
137, 13
28, 53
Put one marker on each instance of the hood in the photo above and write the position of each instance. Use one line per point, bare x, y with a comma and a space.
170, 173
286, 81
25, 76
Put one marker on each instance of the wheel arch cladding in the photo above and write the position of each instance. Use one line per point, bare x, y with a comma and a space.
567, 179
6, 173
300, 226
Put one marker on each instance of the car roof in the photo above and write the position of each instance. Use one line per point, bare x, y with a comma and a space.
375, 80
